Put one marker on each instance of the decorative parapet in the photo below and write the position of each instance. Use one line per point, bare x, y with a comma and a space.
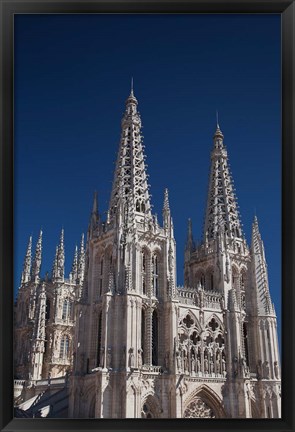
152, 369
210, 299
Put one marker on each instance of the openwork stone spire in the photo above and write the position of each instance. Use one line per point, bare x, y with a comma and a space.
26, 274
260, 271
130, 193
222, 208
37, 259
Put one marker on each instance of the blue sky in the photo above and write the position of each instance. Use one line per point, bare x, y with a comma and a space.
72, 77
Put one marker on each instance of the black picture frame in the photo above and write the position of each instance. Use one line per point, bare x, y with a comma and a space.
8, 8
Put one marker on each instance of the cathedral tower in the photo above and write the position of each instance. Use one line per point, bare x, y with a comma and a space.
124, 332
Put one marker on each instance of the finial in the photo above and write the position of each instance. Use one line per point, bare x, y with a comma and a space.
131, 93
217, 122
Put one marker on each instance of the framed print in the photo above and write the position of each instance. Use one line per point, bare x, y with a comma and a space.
137, 138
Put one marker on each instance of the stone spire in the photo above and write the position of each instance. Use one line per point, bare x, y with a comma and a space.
37, 259
221, 201
74, 272
81, 262
94, 217
166, 210
54, 267
190, 245
60, 259
130, 194
260, 272
26, 274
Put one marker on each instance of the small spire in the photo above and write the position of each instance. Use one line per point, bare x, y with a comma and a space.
166, 200
217, 122
54, 267
27, 263
74, 272
38, 258
61, 257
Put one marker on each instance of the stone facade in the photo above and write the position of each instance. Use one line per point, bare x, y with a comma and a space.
144, 347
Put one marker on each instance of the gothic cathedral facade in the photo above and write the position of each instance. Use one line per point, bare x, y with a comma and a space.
132, 343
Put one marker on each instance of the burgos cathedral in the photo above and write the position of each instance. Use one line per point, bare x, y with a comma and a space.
119, 339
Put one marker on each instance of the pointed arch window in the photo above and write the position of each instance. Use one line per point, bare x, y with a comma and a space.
143, 272
67, 310
155, 275
155, 338
143, 338
64, 347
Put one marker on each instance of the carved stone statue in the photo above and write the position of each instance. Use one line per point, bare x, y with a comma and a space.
193, 363
223, 365
206, 365
185, 362
131, 358
266, 370
198, 364
178, 361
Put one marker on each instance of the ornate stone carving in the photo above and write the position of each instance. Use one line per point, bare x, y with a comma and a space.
198, 409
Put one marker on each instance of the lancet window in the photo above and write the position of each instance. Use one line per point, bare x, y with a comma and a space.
155, 275
64, 347
155, 338
67, 310
143, 272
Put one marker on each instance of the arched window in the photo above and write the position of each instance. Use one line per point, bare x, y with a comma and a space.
99, 339
155, 275
64, 347
143, 334
67, 309
245, 335
143, 272
155, 339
